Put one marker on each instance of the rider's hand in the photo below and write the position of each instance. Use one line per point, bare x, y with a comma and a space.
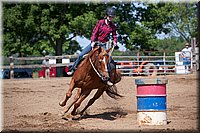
92, 44
115, 44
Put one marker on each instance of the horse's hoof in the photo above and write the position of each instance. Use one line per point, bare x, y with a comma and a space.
62, 104
74, 113
77, 117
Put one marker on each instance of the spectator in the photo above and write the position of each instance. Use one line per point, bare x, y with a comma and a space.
47, 66
186, 55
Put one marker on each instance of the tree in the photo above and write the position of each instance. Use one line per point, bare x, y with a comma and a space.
184, 22
140, 22
169, 45
18, 29
31, 28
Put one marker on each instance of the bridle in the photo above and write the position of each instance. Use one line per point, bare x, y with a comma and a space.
100, 75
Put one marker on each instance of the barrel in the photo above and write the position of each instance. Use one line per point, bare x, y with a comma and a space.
151, 101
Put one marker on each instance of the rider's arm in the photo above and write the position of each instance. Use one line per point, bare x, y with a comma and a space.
94, 33
114, 35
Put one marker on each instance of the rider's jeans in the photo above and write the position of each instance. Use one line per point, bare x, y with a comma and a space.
85, 51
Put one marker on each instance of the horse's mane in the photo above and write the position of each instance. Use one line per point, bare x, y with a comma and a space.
92, 52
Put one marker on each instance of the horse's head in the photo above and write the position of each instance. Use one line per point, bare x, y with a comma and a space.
100, 60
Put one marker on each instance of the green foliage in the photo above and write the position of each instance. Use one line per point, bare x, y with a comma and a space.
83, 23
169, 45
29, 29
184, 20
141, 22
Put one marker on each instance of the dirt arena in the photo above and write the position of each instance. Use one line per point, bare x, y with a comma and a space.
32, 105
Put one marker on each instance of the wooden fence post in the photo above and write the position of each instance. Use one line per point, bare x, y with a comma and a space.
11, 68
138, 62
164, 61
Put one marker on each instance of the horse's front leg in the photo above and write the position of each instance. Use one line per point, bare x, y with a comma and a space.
74, 100
69, 93
84, 94
92, 100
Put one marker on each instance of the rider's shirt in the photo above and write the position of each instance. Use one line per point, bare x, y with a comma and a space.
186, 52
101, 32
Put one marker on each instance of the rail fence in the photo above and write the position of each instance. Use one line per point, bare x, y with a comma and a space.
145, 65
128, 65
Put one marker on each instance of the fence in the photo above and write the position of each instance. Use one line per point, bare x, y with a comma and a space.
128, 65
14, 62
145, 65
156, 65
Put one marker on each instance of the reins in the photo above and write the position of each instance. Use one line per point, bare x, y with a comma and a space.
100, 75
96, 71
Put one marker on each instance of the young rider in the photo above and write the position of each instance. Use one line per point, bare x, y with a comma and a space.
101, 33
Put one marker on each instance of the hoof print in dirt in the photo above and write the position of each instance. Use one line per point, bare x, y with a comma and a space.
64, 118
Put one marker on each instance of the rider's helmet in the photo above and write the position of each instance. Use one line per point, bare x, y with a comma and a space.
110, 12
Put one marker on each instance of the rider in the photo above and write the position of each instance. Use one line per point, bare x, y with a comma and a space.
101, 33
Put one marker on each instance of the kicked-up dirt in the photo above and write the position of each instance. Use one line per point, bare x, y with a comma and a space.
32, 105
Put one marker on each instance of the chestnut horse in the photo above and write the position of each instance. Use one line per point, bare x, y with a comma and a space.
92, 73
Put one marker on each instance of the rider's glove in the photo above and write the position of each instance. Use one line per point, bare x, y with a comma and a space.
114, 44
92, 44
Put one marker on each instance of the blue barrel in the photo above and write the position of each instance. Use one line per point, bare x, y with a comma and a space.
151, 103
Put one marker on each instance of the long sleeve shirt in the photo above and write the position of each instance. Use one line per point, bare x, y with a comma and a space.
101, 32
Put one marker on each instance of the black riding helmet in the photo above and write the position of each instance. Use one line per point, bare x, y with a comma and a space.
110, 12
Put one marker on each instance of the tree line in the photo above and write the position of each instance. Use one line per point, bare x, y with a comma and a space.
31, 29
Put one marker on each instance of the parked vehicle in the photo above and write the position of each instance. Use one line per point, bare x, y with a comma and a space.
62, 71
18, 73
52, 72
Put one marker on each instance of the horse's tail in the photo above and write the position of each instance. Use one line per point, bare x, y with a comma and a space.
112, 92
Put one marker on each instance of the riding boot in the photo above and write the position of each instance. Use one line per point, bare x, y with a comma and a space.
109, 72
71, 71
109, 83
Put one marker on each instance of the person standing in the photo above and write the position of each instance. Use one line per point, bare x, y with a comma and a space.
47, 67
186, 55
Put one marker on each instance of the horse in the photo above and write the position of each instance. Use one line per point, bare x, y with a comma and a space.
92, 73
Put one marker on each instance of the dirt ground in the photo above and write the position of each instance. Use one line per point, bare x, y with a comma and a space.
32, 105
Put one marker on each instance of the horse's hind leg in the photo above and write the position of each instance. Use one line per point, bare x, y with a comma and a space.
74, 100
68, 94
80, 100
96, 96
